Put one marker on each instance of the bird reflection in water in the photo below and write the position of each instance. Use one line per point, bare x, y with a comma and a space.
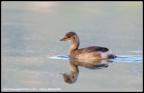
72, 76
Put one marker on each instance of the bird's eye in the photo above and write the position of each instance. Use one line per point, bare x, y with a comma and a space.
68, 36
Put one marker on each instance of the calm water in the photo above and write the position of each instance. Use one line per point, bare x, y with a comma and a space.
33, 56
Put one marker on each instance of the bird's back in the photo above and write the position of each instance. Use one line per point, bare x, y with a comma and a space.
93, 52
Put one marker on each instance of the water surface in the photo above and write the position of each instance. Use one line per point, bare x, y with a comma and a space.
31, 33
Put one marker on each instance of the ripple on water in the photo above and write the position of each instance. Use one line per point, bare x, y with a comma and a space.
119, 58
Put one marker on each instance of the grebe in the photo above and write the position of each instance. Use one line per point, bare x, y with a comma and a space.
72, 76
92, 52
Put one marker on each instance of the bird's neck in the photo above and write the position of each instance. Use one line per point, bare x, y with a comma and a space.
73, 68
74, 44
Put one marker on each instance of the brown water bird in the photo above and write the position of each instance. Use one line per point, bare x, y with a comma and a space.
92, 52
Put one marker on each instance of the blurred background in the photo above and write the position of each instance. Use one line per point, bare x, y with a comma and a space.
31, 32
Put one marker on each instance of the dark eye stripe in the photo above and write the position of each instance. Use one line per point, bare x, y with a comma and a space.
69, 35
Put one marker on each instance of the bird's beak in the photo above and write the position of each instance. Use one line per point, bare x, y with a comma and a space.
63, 39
